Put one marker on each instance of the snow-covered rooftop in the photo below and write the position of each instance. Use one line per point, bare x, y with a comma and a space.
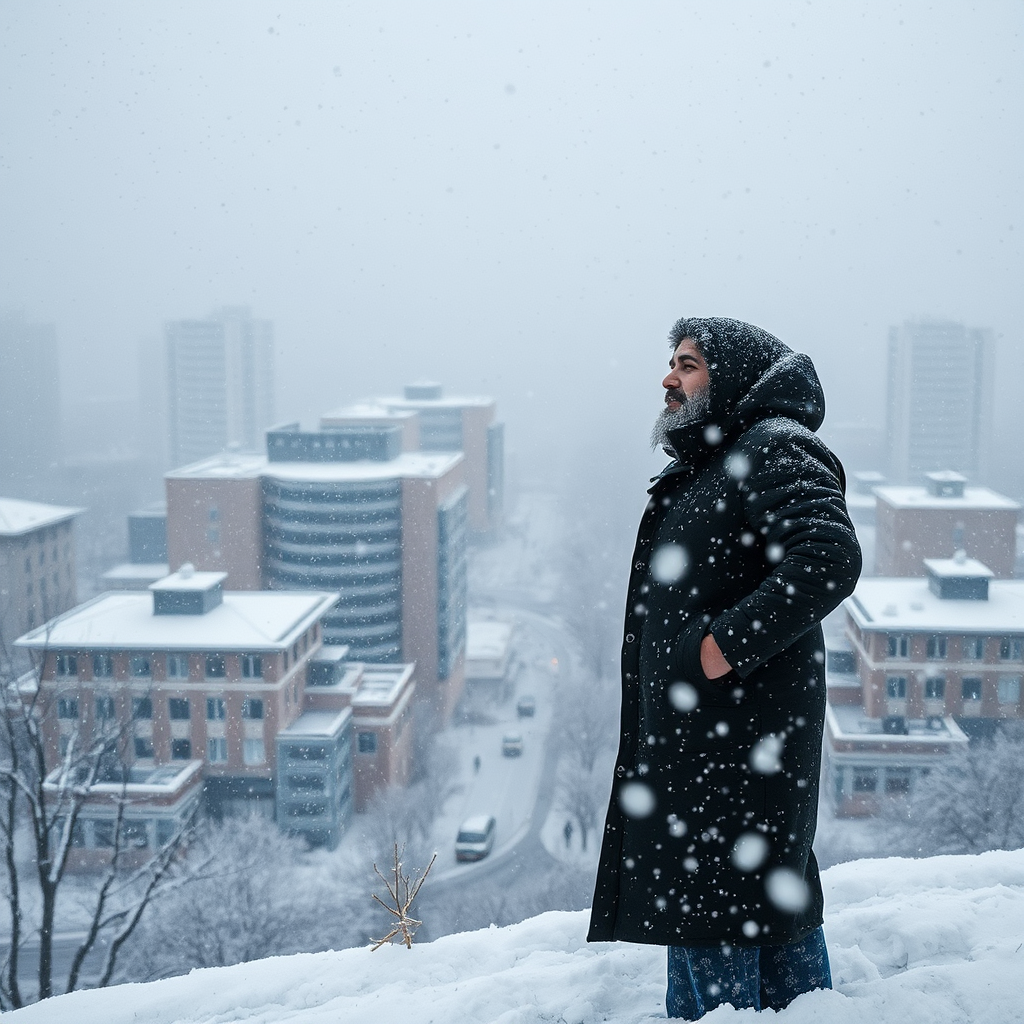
487, 640
365, 411
974, 498
408, 465
188, 580
958, 566
454, 402
317, 724
935, 940
19, 517
381, 685
226, 466
849, 722
139, 572
888, 604
245, 621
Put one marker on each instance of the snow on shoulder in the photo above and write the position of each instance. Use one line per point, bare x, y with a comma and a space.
934, 941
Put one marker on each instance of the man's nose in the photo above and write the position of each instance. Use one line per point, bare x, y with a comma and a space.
671, 381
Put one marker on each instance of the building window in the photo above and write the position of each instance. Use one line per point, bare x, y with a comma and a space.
896, 687
140, 666
135, 835
865, 780
103, 834
899, 645
216, 711
142, 708
1009, 690
217, 750
181, 750
367, 743
104, 708
252, 707
974, 648
253, 752
178, 708
177, 666
897, 781
67, 665
67, 707
1011, 650
971, 689
252, 666
215, 666
307, 783
937, 647
102, 666
935, 688
143, 747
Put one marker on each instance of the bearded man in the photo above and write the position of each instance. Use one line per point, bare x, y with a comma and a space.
745, 545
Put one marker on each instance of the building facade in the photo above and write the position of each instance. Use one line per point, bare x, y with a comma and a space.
940, 399
37, 567
220, 383
936, 661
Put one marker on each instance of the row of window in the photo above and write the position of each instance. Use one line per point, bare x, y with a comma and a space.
254, 751
136, 833
141, 666
971, 688
972, 648
179, 709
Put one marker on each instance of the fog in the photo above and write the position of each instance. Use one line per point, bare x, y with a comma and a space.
517, 200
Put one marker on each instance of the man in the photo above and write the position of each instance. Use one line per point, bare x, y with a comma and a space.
744, 547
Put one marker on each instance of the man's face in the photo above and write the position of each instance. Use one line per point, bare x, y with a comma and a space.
687, 375
687, 395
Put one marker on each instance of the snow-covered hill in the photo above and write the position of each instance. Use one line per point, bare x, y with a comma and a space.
936, 941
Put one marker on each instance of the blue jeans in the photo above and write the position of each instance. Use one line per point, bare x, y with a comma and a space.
763, 977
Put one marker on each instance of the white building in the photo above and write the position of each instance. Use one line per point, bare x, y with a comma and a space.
940, 399
219, 383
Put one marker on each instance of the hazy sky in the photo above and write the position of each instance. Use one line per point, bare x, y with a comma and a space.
516, 199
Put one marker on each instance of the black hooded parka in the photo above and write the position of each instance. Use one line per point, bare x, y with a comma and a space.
746, 535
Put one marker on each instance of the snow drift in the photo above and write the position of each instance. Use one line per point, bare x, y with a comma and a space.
935, 941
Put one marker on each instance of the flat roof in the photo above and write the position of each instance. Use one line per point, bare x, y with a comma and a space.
317, 725
408, 465
19, 517
366, 411
979, 498
849, 722
487, 639
155, 780
381, 685
958, 567
906, 603
418, 404
188, 580
226, 466
139, 571
255, 620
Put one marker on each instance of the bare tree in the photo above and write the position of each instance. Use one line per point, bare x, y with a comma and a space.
579, 796
47, 809
973, 802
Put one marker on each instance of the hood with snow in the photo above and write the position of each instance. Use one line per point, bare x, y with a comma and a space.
752, 376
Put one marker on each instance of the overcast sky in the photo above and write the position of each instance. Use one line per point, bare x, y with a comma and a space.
517, 199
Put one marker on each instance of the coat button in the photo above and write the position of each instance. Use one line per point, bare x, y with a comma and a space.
630, 638
638, 565
619, 770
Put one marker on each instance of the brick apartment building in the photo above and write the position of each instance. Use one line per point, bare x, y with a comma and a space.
37, 566
944, 515
342, 509
932, 662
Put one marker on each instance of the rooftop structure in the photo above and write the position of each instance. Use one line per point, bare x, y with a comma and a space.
18, 518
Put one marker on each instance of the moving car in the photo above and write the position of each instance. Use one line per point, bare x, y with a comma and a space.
475, 838
526, 707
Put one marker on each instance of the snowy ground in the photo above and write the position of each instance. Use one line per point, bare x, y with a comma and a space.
935, 941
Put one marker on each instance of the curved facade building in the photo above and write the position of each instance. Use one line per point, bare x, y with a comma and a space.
343, 535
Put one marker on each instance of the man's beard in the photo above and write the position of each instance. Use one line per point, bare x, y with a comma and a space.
691, 410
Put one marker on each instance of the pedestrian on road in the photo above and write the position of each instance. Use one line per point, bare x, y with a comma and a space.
567, 832
476, 765
745, 545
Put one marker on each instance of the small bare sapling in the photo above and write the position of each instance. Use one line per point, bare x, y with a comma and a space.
401, 894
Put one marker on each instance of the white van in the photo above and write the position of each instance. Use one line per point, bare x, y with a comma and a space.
475, 838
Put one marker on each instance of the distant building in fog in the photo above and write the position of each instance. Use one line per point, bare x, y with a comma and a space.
37, 566
30, 406
940, 399
219, 383
450, 424
341, 509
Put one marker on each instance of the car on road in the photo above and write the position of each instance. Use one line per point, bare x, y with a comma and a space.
512, 744
526, 707
476, 837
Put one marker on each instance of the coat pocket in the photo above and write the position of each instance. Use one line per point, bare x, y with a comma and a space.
719, 691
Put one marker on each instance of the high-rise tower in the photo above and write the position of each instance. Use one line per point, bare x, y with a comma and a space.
940, 399
219, 383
